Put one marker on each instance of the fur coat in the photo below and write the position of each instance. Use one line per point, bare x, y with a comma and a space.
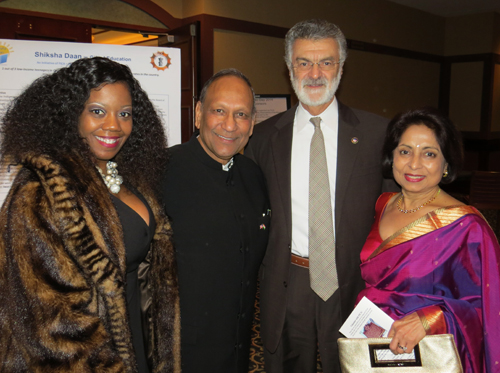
62, 276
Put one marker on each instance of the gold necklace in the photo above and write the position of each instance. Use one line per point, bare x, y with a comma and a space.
400, 201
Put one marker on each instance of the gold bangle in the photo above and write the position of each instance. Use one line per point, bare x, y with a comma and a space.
424, 321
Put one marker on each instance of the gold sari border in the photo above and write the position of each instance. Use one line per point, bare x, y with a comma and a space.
428, 223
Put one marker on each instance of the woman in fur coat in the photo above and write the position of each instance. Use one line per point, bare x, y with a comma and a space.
88, 278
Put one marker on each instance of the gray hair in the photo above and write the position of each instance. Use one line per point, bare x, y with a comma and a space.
227, 72
314, 29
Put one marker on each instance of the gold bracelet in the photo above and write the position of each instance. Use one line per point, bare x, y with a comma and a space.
424, 321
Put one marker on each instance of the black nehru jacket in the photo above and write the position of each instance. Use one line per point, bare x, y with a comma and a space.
220, 221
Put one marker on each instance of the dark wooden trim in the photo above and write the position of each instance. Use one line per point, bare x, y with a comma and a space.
489, 60
392, 51
445, 87
231, 24
223, 23
24, 27
483, 145
155, 11
475, 135
482, 140
487, 94
468, 58
93, 22
206, 52
209, 23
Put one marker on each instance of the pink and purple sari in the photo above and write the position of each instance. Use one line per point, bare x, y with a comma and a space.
447, 260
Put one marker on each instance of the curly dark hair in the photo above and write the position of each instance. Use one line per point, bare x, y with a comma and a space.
45, 119
447, 136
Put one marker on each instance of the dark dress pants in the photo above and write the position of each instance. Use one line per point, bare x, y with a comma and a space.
311, 325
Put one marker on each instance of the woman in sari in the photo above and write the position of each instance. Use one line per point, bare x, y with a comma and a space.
431, 262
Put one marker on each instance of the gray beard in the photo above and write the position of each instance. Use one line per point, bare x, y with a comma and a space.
326, 97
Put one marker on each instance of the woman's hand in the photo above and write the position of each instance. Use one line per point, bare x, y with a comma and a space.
406, 333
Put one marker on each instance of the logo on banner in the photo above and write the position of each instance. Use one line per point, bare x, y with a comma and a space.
5, 51
160, 61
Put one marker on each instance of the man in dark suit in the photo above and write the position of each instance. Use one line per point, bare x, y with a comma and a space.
304, 301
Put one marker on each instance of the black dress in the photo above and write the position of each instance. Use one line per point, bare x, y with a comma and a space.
137, 237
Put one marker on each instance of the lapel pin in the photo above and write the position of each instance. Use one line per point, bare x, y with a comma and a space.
262, 226
354, 140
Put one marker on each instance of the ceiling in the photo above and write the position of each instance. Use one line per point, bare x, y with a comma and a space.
452, 8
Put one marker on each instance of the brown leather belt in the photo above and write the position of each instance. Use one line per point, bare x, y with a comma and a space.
300, 261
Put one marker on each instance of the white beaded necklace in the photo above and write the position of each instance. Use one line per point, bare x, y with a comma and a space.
112, 179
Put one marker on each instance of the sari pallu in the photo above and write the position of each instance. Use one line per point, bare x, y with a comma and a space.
448, 258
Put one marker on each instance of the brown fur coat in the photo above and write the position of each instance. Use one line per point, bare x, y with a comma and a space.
62, 276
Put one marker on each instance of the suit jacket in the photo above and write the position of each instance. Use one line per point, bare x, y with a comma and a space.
358, 185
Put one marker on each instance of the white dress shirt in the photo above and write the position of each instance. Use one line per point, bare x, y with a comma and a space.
303, 131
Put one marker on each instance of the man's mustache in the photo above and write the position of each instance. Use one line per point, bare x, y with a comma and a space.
311, 81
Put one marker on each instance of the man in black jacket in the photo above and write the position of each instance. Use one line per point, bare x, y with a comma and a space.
218, 204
